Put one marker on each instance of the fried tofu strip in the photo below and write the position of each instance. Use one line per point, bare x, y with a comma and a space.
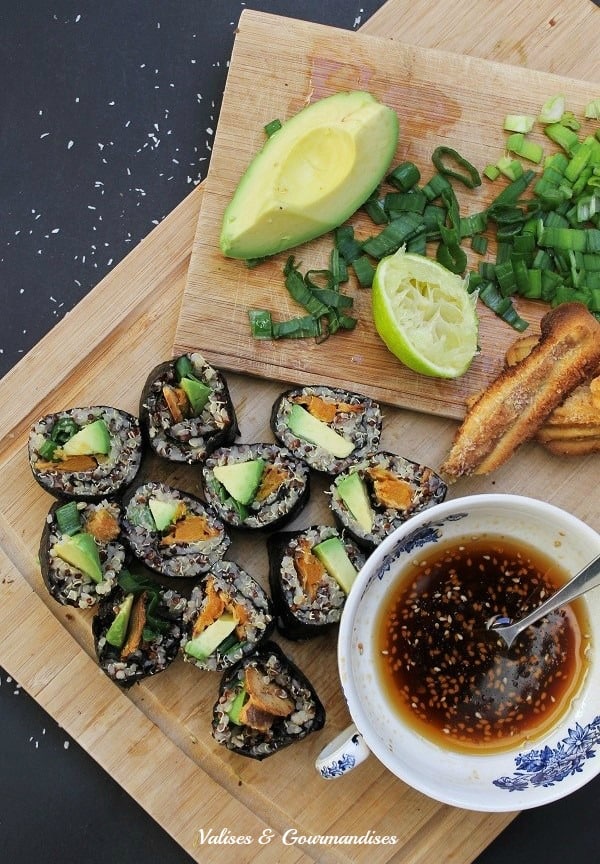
514, 406
573, 428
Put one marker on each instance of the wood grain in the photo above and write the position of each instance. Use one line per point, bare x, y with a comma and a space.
441, 98
154, 740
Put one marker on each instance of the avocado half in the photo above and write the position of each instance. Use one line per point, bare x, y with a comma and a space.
311, 175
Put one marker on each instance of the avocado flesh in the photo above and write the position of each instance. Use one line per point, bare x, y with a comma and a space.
353, 492
117, 632
332, 554
196, 392
81, 551
309, 428
311, 175
236, 707
163, 512
202, 646
241, 479
93, 438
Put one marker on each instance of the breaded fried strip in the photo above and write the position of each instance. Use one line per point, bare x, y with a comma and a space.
515, 405
581, 407
573, 446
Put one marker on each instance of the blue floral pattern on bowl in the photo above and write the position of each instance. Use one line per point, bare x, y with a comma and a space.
344, 763
431, 532
548, 766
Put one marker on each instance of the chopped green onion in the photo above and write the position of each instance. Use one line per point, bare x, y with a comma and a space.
519, 123
297, 328
339, 268
405, 202
393, 236
561, 135
47, 448
347, 245
375, 209
364, 270
592, 109
272, 126
552, 110
523, 147
479, 244
68, 518
434, 188
511, 168
492, 172
468, 174
404, 176
261, 323
452, 257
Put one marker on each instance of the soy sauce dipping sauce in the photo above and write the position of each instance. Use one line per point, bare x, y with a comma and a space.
457, 682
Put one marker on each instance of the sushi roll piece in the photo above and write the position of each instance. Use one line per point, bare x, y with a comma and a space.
376, 494
255, 486
226, 617
85, 454
80, 551
172, 532
326, 427
265, 703
310, 575
186, 410
137, 630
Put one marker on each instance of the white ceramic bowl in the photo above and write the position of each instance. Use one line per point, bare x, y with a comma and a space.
554, 765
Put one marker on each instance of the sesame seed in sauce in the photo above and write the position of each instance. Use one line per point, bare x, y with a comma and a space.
459, 680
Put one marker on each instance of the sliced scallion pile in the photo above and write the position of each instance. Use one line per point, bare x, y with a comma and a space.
546, 223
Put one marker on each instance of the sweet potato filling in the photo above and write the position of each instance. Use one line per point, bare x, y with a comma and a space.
324, 410
71, 464
310, 570
191, 529
272, 479
218, 602
103, 526
390, 490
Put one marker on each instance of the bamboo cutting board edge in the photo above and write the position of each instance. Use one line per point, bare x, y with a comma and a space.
182, 223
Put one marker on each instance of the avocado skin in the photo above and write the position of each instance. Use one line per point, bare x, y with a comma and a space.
283, 199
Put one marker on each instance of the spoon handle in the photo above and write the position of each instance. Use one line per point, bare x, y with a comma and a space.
585, 580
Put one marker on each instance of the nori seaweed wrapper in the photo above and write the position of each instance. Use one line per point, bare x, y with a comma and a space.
172, 427
301, 613
307, 714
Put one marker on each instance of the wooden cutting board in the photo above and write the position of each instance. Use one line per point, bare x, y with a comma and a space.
154, 741
441, 99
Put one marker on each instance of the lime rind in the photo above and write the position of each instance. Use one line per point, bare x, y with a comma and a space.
425, 315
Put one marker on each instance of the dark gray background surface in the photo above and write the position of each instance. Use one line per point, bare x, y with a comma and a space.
108, 115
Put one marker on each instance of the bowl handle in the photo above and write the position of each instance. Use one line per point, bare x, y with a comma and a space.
340, 756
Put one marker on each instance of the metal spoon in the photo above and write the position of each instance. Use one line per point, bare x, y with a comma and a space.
585, 580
